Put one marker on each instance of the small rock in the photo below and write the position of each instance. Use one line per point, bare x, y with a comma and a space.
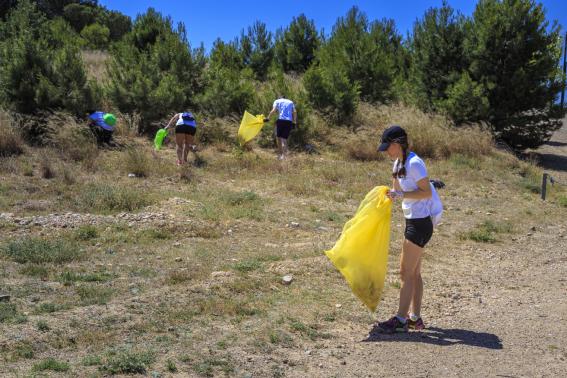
229, 231
529, 234
320, 365
308, 352
294, 224
533, 228
131, 175
33, 299
178, 259
343, 362
170, 329
4, 298
158, 257
176, 244
287, 279
338, 305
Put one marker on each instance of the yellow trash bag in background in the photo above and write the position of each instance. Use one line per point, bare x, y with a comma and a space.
361, 253
250, 126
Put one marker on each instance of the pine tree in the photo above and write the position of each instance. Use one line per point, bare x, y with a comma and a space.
296, 45
514, 55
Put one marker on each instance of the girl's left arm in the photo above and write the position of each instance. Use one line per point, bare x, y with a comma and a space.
423, 190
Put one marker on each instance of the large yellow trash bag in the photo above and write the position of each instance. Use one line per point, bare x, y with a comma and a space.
250, 126
361, 253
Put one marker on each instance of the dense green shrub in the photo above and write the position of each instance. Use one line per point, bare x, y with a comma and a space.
39, 72
153, 71
96, 36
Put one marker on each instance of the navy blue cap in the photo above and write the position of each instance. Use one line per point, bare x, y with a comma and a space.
392, 134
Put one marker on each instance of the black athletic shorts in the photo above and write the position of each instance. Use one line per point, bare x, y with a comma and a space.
185, 129
419, 231
283, 128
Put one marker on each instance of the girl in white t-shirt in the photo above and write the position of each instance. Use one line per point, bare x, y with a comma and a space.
411, 185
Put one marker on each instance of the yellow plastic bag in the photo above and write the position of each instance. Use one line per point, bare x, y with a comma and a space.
250, 126
361, 253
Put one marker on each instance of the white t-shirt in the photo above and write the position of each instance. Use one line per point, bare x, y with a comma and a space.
415, 171
285, 107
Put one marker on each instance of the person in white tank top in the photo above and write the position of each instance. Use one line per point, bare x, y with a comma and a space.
410, 184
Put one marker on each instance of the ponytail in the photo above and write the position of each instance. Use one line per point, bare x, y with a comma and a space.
401, 168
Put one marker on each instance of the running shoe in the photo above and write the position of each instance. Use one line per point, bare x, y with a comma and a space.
416, 324
393, 325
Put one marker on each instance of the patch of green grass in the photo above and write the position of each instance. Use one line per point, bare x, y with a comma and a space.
307, 330
333, 217
48, 308
127, 362
42, 326
240, 198
280, 337
24, 350
92, 360
94, 295
103, 198
247, 265
208, 366
157, 234
40, 251
210, 212
486, 231
67, 277
51, 364
85, 233
562, 201
33, 270
463, 161
330, 317
170, 366
236, 205
9, 314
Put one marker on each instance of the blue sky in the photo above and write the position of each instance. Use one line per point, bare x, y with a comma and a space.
207, 20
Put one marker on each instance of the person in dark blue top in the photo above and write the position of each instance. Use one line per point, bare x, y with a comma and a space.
102, 125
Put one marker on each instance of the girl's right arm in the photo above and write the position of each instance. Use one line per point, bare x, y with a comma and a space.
172, 120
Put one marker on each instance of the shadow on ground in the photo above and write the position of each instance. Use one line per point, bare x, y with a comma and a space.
439, 336
551, 161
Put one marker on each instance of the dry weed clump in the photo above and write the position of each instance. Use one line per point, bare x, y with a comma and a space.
137, 162
127, 125
364, 151
73, 140
11, 142
217, 131
434, 136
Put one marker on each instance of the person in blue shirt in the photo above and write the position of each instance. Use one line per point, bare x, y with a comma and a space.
185, 130
287, 120
102, 125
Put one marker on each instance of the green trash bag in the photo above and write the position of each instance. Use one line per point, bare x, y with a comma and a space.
158, 140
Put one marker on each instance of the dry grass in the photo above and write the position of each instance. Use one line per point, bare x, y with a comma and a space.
95, 63
74, 141
431, 136
201, 289
11, 142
